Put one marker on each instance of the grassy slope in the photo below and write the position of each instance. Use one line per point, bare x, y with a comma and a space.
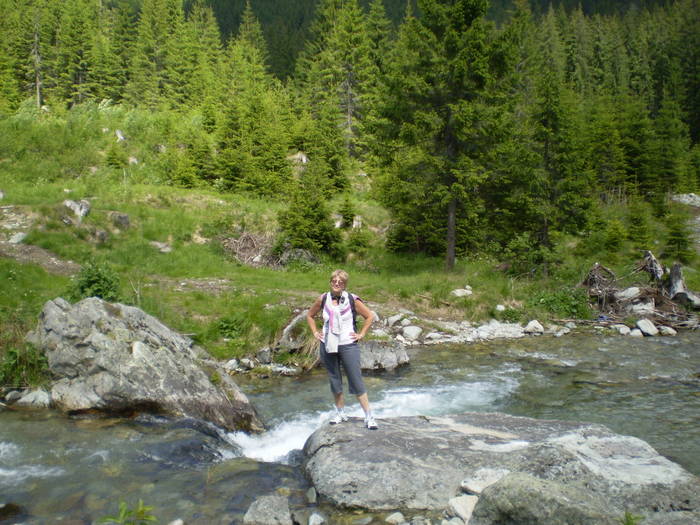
46, 160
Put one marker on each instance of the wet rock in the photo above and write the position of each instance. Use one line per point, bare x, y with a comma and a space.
269, 510
667, 330
264, 355
9, 511
35, 399
396, 518
379, 355
108, 357
316, 519
647, 327
574, 470
534, 327
621, 329
527, 499
463, 506
482, 478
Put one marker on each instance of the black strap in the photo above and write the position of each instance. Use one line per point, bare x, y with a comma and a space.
352, 307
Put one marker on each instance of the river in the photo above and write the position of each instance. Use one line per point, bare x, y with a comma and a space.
76, 470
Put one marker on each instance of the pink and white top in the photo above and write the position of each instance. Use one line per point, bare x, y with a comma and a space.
337, 322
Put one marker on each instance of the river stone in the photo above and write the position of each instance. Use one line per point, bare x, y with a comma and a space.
622, 329
112, 358
411, 332
534, 327
667, 330
272, 509
395, 518
36, 399
482, 478
380, 355
316, 519
636, 332
463, 506
391, 321
647, 327
419, 462
526, 499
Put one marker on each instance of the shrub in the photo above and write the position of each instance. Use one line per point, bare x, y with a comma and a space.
565, 303
23, 366
95, 279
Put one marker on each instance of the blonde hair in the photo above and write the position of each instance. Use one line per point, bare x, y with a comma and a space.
341, 274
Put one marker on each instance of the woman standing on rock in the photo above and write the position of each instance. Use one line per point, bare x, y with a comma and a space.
339, 339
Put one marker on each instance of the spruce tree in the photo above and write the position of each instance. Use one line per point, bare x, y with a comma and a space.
438, 122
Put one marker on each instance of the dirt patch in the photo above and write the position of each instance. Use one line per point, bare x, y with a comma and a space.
16, 220
28, 254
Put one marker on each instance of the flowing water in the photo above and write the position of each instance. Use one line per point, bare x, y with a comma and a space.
72, 470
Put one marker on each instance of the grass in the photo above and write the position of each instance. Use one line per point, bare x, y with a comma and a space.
45, 160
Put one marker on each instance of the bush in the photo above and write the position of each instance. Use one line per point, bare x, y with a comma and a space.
566, 303
23, 366
95, 279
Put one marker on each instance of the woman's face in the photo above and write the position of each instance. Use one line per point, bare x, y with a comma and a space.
337, 285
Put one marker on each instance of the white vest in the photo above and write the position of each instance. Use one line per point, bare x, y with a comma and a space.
337, 322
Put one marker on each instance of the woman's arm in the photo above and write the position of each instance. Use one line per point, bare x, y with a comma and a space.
311, 321
365, 312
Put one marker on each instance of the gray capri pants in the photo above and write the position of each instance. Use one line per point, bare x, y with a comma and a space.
349, 356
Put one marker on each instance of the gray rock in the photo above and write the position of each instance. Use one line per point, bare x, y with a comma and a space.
636, 332
396, 518
264, 355
35, 399
120, 220
416, 463
295, 334
80, 208
114, 358
269, 510
647, 327
311, 496
379, 355
500, 308
247, 364
18, 238
621, 329
411, 332
391, 321
534, 327
628, 294
482, 478
463, 506
316, 519
522, 498
162, 247
13, 396
667, 330
461, 292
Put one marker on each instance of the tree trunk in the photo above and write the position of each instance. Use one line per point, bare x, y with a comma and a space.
451, 234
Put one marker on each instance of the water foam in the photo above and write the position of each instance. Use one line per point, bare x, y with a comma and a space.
289, 435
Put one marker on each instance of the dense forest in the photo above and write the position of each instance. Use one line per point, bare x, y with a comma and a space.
495, 129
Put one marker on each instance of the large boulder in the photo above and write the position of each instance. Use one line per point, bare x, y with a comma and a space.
536, 469
379, 355
113, 358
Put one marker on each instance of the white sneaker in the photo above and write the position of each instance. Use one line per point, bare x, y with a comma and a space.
370, 423
339, 417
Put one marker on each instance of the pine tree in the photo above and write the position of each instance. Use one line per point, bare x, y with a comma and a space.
439, 122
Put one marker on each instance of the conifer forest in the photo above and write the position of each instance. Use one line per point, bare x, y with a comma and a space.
497, 128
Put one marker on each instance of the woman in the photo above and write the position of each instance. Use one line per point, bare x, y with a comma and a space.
339, 339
